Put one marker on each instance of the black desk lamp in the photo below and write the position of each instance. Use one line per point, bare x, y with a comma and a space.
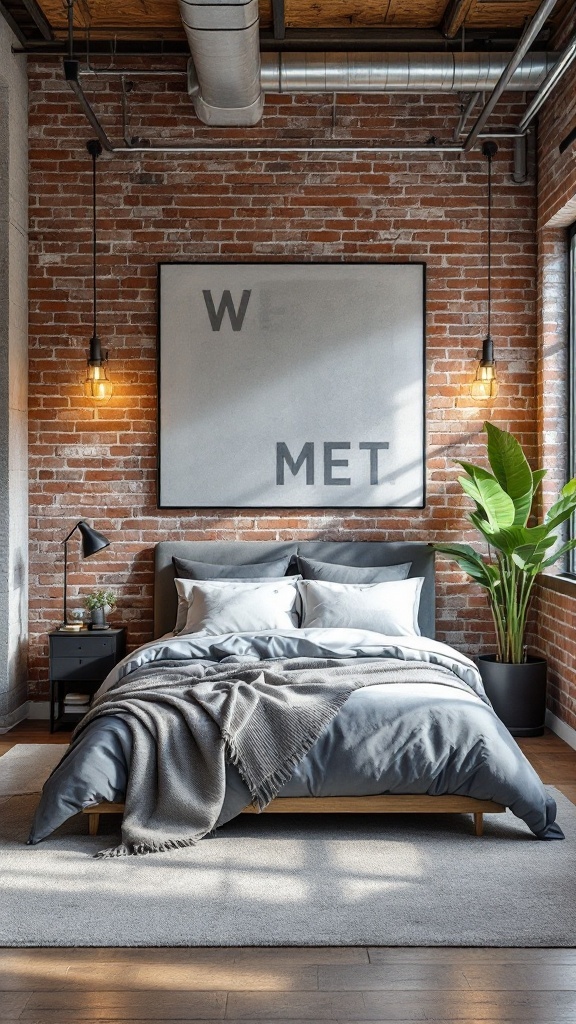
92, 541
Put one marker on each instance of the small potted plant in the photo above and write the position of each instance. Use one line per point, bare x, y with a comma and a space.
514, 681
99, 603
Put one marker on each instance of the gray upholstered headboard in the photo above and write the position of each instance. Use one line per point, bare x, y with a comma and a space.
359, 552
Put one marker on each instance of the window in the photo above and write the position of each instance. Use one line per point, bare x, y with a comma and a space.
572, 377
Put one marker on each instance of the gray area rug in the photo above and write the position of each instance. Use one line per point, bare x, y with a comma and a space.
25, 767
295, 880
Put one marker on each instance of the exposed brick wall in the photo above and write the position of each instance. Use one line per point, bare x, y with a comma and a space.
555, 611
555, 615
101, 465
557, 171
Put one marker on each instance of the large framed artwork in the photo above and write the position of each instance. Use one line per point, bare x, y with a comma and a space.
295, 385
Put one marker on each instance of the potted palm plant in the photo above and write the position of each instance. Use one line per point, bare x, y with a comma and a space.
514, 681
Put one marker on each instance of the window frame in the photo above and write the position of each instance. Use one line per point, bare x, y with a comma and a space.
571, 295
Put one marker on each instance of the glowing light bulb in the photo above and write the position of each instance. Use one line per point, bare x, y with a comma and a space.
97, 384
485, 384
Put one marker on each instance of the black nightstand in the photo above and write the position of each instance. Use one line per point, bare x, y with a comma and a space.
80, 662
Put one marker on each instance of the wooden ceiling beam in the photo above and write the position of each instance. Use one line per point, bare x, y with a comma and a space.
454, 16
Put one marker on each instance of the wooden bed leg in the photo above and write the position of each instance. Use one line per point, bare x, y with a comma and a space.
479, 823
94, 821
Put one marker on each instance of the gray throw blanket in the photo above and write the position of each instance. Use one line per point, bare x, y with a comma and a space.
187, 721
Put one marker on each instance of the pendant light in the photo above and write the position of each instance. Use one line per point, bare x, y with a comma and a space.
97, 385
485, 384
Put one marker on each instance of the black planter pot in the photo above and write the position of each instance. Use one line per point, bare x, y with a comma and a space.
98, 618
516, 692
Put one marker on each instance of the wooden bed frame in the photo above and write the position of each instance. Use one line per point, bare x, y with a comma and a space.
390, 804
359, 553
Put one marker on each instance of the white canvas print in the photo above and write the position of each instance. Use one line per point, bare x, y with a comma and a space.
291, 385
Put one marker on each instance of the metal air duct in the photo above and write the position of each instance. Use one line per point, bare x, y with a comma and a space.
224, 71
398, 72
227, 75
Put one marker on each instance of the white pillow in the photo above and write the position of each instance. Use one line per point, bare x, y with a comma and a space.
241, 607
390, 608
184, 591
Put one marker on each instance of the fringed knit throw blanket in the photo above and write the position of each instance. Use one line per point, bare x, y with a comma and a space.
186, 722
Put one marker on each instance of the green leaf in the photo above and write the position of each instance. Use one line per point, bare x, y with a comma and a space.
470, 561
481, 524
522, 508
568, 546
537, 478
508, 461
485, 490
528, 557
469, 467
570, 487
470, 488
456, 548
509, 540
560, 511
493, 572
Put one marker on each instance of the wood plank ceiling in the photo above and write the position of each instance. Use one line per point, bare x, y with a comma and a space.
160, 19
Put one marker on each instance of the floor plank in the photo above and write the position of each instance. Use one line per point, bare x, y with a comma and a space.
48, 958
311, 1006
462, 955
408, 977
12, 1004
527, 1007
525, 977
254, 976
35, 731
144, 977
121, 1005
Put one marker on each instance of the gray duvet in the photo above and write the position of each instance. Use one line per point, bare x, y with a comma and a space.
435, 737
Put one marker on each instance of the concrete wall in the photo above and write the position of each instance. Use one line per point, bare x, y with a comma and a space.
13, 380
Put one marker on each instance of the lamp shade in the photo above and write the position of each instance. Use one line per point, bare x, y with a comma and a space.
92, 541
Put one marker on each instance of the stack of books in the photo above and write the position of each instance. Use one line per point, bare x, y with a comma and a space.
76, 703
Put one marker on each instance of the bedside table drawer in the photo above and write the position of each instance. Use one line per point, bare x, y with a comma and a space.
82, 646
80, 669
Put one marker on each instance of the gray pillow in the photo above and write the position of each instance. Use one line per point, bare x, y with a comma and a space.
186, 569
332, 573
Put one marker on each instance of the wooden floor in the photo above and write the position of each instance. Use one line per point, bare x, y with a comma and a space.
63, 986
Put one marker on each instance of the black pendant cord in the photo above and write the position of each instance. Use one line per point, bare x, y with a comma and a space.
489, 245
70, 19
94, 243
489, 149
94, 148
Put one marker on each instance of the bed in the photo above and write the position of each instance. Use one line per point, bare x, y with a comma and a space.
421, 738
